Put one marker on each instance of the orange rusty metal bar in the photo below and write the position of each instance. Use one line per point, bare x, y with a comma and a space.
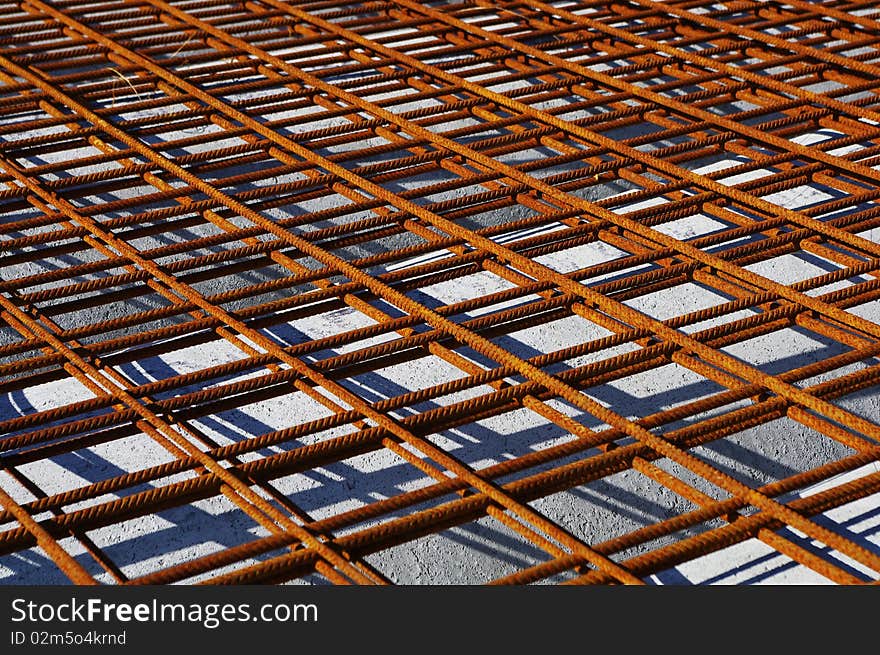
526, 265
250, 74
567, 393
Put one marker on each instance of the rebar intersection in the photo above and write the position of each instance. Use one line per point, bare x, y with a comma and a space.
341, 277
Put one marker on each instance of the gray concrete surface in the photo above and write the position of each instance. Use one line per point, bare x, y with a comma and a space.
484, 549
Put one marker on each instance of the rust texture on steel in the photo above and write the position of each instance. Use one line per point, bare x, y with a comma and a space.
441, 245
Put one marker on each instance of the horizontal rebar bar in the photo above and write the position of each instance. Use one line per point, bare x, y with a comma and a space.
518, 208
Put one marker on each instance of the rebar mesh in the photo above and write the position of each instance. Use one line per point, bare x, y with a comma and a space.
359, 291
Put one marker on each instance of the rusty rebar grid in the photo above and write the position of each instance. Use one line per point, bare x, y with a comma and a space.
332, 279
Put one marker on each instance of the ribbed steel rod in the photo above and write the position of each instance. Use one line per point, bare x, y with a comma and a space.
520, 207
